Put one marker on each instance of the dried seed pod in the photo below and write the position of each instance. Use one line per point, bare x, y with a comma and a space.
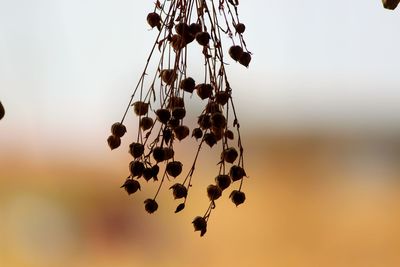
131, 186
176, 102
236, 173
204, 90
223, 181
179, 113
136, 168
140, 108
194, 28
218, 120
147, 174
180, 207
168, 76
179, 191
167, 135
210, 139
214, 192
146, 123
181, 132
150, 205
229, 134
168, 153
118, 129
154, 20
136, 150
184, 30
155, 170
229, 155
2, 111
390, 4
158, 154
187, 85
113, 141
197, 133
240, 28
236, 52
174, 168
163, 115
203, 38
212, 107
218, 132
173, 123
200, 224
222, 97
237, 197
204, 121
245, 59
177, 42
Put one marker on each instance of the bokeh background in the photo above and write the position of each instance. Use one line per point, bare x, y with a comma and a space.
319, 109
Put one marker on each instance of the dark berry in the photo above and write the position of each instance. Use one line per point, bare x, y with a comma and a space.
237, 197
168, 153
210, 139
236, 52
204, 90
163, 115
194, 28
147, 174
131, 186
154, 20
187, 85
229, 155
197, 133
236, 173
136, 168
181, 28
179, 191
118, 129
245, 59
223, 181
229, 134
179, 113
150, 205
136, 150
240, 28
113, 141
146, 123
181, 132
158, 154
140, 108
174, 168
203, 38
155, 170
214, 192
200, 224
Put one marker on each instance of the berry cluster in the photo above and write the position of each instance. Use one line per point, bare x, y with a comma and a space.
162, 103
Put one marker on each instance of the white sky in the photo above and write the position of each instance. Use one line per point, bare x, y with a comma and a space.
72, 64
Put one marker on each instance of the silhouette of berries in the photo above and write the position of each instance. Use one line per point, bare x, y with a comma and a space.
136, 150
181, 132
118, 129
136, 168
197, 133
237, 197
158, 154
240, 28
210, 139
236, 52
174, 168
214, 192
113, 141
147, 174
179, 191
229, 155
187, 85
155, 170
150, 205
223, 181
200, 224
245, 59
131, 186
236, 173
194, 28
163, 115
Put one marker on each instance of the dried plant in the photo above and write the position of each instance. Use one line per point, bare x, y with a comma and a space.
160, 102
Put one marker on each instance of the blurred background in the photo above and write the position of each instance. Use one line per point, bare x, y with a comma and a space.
319, 112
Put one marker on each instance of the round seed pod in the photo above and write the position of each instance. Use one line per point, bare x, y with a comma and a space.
168, 76
212, 107
176, 102
218, 120
131, 186
194, 28
167, 135
155, 169
187, 85
163, 115
2, 111
150, 205
240, 28
179, 191
197, 133
177, 42
204, 90
113, 141
200, 224
214, 192
223, 181
236, 52
168, 153
245, 59
229, 155
181, 28
229, 134
179, 113
147, 174
136, 150
173, 123
218, 132
203, 38
136, 168
204, 121
118, 129
146, 123
140, 108
181, 132
222, 97
236, 173
174, 168
237, 197
210, 139
158, 154
154, 20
